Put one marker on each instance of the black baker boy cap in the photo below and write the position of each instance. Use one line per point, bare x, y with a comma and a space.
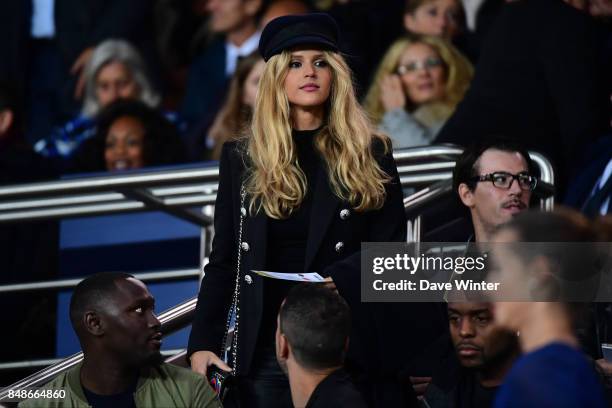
316, 29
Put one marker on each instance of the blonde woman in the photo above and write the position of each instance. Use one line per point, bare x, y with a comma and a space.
417, 86
317, 183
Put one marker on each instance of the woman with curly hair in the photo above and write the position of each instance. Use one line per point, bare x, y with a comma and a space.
416, 88
299, 193
129, 135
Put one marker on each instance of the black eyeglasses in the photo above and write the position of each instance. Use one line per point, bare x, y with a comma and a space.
501, 179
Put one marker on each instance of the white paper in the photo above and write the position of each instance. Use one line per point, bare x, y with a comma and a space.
298, 277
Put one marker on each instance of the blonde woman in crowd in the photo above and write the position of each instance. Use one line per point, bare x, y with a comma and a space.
416, 88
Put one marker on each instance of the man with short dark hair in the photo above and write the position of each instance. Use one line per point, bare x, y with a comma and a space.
113, 317
494, 180
484, 353
553, 262
311, 342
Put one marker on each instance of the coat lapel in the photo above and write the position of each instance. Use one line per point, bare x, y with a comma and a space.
324, 205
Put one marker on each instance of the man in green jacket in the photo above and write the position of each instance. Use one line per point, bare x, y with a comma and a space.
112, 315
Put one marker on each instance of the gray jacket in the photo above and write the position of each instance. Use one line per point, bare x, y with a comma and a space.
405, 131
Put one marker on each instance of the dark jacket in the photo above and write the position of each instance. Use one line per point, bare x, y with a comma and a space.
335, 391
204, 94
592, 166
163, 386
78, 25
326, 230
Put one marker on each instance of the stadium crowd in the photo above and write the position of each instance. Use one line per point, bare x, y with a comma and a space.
115, 85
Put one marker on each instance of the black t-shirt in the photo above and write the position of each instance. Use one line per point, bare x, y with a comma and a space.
124, 399
336, 391
470, 393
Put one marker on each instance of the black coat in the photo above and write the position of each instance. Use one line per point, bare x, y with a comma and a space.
326, 230
205, 92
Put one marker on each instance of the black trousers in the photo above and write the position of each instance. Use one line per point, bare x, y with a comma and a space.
266, 386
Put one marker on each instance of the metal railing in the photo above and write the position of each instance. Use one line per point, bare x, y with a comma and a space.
167, 190
169, 355
71, 283
35, 196
177, 190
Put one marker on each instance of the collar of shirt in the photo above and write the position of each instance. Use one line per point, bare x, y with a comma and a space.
42, 20
232, 52
471, 8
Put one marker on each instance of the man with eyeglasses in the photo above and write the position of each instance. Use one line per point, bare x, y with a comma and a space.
494, 180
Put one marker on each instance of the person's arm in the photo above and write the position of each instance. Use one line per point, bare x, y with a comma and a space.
215, 294
404, 129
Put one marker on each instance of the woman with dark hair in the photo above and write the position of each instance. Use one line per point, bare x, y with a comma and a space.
130, 135
441, 18
549, 267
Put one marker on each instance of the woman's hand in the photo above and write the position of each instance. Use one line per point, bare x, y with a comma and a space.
392, 93
78, 68
201, 360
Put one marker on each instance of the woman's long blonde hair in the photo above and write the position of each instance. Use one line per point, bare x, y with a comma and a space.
458, 69
275, 182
